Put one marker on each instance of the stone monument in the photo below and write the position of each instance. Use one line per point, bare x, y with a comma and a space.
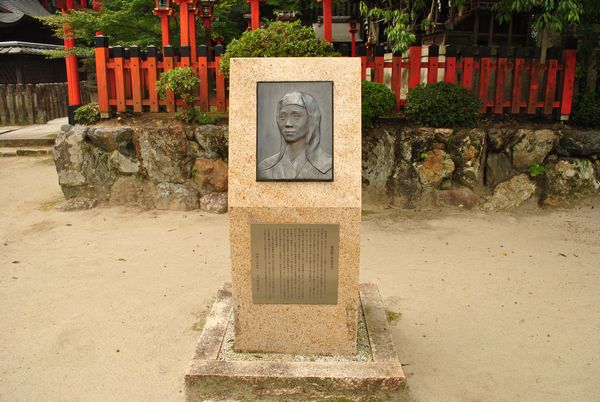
294, 216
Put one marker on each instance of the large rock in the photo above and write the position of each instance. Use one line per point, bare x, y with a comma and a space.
110, 139
165, 154
579, 143
511, 193
467, 148
213, 142
531, 148
214, 202
131, 191
413, 142
499, 137
123, 164
83, 170
436, 166
499, 168
377, 159
174, 196
571, 177
209, 176
404, 185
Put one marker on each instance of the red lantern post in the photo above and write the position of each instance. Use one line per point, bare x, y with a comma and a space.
192, 26
353, 30
71, 64
184, 22
327, 24
164, 11
255, 12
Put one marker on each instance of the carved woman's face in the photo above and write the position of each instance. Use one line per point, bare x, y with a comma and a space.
293, 122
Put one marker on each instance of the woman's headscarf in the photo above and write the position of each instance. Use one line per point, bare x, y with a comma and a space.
313, 137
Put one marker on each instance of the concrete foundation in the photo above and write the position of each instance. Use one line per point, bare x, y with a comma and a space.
275, 377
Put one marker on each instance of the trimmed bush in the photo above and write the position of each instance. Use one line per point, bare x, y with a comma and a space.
183, 82
88, 114
279, 39
587, 109
377, 100
442, 105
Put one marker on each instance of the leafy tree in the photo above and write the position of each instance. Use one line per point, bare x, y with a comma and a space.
126, 22
555, 15
278, 39
131, 22
401, 19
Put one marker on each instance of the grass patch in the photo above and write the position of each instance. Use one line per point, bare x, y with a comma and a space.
49, 205
392, 315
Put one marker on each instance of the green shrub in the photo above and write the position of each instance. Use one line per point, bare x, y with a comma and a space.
442, 105
206, 118
278, 39
377, 100
183, 82
87, 114
587, 109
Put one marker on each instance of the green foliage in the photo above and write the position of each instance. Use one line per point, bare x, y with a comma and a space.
423, 155
554, 15
183, 82
442, 105
587, 109
397, 25
278, 39
126, 22
206, 118
537, 170
88, 114
377, 100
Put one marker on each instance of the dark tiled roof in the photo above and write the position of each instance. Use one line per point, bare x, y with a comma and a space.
17, 47
12, 11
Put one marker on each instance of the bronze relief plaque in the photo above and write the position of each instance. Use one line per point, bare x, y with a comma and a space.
294, 263
294, 131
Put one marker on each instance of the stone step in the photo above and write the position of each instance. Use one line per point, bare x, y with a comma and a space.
30, 151
26, 142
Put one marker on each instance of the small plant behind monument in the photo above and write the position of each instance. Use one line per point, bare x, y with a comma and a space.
442, 105
183, 82
88, 114
377, 100
278, 39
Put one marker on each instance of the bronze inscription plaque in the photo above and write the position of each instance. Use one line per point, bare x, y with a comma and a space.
294, 263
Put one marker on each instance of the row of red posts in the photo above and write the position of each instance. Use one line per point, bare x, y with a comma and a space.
129, 80
513, 81
510, 81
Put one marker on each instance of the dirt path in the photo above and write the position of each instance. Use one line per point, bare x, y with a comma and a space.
107, 304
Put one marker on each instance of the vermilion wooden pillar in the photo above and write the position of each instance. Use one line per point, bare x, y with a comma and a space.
255, 11
71, 64
184, 22
192, 27
353, 30
327, 27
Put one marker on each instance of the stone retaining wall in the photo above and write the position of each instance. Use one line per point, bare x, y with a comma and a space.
164, 164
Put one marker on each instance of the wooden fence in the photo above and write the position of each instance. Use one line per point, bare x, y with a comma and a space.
127, 78
35, 103
508, 81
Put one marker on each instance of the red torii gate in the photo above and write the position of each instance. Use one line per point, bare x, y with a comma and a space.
327, 20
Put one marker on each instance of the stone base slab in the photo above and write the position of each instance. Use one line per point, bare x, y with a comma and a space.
211, 377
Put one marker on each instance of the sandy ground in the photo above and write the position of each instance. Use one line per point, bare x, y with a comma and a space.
106, 304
